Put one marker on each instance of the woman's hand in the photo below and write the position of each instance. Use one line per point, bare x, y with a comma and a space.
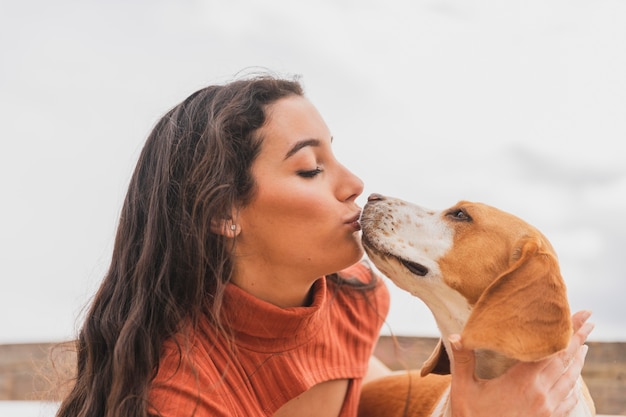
542, 388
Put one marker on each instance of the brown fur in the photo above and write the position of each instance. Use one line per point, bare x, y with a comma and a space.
402, 394
506, 271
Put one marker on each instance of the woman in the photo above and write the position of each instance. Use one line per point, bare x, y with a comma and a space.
222, 297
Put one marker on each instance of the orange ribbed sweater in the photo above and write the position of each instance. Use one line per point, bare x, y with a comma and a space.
280, 353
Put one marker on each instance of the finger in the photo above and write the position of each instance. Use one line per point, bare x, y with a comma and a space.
463, 360
569, 378
579, 318
566, 406
578, 339
583, 333
566, 387
554, 366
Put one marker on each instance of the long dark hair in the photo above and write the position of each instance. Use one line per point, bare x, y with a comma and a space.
167, 267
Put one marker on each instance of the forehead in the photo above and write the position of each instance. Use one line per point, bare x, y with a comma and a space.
290, 120
491, 217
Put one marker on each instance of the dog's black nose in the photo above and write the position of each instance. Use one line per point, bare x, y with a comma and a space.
375, 197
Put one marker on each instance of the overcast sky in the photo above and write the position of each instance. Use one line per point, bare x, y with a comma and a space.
519, 104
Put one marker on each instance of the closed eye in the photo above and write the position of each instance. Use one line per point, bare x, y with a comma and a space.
310, 173
460, 215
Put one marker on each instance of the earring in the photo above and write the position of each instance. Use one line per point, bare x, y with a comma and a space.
233, 227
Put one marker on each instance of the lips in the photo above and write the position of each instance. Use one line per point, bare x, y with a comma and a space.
354, 222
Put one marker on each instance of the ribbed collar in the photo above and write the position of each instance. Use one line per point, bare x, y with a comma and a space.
263, 327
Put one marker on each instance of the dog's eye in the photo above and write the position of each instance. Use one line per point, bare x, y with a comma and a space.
460, 214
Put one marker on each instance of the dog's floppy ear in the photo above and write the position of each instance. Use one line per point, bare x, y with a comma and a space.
438, 362
524, 313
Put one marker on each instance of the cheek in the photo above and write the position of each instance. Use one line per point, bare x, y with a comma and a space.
472, 266
293, 208
293, 201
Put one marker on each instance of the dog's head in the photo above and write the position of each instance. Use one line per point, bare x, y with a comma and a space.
495, 277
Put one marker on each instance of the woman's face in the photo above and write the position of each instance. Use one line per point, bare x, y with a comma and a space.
303, 218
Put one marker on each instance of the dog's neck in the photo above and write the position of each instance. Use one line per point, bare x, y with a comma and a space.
451, 311
451, 318
489, 364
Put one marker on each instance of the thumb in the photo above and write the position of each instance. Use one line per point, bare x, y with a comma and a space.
463, 360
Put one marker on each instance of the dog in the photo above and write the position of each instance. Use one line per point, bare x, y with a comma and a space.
484, 274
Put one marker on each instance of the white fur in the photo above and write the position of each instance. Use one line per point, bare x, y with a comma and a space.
414, 233
394, 229
443, 407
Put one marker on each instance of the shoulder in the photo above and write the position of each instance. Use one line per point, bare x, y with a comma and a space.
362, 294
188, 381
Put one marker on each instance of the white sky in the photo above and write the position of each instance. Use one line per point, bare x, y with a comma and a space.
519, 104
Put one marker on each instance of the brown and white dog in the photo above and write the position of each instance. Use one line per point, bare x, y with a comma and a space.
484, 274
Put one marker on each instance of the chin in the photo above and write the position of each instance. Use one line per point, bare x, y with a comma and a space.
340, 256
356, 255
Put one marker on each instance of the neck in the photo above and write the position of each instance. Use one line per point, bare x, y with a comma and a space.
489, 364
451, 311
283, 290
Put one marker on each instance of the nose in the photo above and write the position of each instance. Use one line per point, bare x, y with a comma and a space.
351, 186
375, 197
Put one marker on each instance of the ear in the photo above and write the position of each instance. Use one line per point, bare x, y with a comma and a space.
438, 362
524, 313
225, 227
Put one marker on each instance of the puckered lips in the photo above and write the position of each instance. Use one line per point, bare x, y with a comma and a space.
354, 222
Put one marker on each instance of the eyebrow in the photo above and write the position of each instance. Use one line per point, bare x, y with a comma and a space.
302, 144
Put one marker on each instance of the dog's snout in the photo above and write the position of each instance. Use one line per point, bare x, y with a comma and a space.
375, 197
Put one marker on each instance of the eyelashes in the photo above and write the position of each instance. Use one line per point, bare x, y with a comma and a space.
460, 215
310, 173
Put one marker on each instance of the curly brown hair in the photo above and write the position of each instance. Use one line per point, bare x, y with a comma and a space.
167, 267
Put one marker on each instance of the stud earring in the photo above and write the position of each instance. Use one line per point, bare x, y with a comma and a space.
233, 227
